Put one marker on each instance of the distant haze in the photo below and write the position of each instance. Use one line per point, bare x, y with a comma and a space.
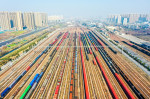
75, 8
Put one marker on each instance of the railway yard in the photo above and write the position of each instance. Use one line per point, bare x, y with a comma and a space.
75, 63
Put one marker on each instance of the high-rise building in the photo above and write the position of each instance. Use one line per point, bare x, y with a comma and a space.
29, 21
11, 20
40, 19
4, 21
44, 20
125, 21
148, 17
15, 19
19, 21
119, 19
133, 18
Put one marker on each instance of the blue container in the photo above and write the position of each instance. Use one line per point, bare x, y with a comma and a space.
13, 83
18, 78
39, 56
34, 79
38, 79
23, 73
4, 93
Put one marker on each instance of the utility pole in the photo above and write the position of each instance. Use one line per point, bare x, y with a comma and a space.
121, 49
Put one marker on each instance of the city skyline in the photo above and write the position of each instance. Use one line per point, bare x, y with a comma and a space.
128, 18
78, 8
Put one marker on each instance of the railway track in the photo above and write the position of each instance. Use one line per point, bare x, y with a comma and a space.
27, 55
14, 75
48, 78
142, 84
128, 69
34, 67
103, 91
115, 84
76, 65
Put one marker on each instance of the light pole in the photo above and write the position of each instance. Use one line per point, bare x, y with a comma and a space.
121, 49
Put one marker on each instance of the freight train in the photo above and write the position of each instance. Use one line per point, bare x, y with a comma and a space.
4, 93
139, 49
115, 52
116, 70
141, 45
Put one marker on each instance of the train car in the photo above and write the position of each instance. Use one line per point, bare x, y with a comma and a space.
94, 62
127, 43
130, 44
87, 58
38, 79
23, 73
29, 86
25, 92
27, 68
16, 80
31, 64
116, 41
115, 52
138, 48
34, 86
34, 79
4, 93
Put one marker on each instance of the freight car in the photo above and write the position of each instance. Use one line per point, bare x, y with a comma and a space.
115, 52
34, 86
29, 86
116, 41
85, 47
141, 45
138, 48
4, 93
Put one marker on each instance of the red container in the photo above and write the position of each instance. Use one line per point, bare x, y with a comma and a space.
27, 68
95, 47
55, 96
101, 43
84, 73
107, 80
90, 50
57, 89
126, 90
130, 44
94, 62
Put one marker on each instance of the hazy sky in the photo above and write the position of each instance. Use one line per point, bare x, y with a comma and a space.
85, 8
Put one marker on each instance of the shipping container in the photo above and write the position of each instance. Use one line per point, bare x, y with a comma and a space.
25, 92
3, 94
34, 79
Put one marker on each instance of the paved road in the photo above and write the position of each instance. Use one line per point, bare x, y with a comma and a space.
21, 36
137, 64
